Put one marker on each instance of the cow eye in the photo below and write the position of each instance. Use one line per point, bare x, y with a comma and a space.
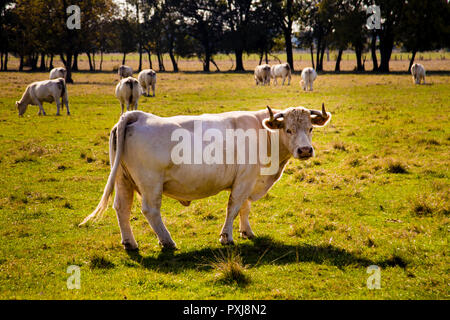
289, 131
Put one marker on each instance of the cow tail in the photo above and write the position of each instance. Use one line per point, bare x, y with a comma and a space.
116, 141
62, 82
130, 84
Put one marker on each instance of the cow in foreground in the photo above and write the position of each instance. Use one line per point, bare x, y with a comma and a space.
147, 79
281, 70
56, 73
140, 151
418, 73
124, 71
262, 74
44, 91
308, 76
128, 91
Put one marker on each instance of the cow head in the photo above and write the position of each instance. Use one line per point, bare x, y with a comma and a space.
22, 107
295, 127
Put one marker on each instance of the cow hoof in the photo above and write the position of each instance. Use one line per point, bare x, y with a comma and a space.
168, 245
225, 241
247, 235
130, 246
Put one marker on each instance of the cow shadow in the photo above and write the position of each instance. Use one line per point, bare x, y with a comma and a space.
259, 251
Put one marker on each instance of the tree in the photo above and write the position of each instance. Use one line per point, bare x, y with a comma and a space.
424, 26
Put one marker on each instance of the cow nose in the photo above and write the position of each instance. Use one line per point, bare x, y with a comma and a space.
305, 151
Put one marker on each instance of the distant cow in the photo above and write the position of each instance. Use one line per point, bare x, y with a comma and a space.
44, 91
281, 70
418, 73
147, 79
141, 149
56, 73
308, 77
128, 92
262, 74
125, 71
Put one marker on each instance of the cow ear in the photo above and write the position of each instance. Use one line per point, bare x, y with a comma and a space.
320, 118
273, 124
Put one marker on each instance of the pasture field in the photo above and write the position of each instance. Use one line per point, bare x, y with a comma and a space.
377, 193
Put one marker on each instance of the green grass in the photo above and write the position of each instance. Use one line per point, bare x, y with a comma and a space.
376, 193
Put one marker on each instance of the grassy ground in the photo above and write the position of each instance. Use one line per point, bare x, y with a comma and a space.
376, 194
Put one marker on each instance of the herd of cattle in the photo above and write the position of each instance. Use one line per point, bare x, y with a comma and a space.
129, 89
141, 148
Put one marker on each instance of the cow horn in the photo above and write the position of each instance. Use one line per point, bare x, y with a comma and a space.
322, 114
272, 117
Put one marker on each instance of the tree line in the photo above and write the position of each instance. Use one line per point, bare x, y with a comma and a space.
35, 31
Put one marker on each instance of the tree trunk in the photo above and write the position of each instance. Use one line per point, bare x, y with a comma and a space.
261, 56
288, 42
21, 63
140, 58
174, 61
318, 55
75, 62
386, 45
123, 59
322, 53
68, 64
358, 52
1, 61
149, 59
311, 50
412, 60
90, 61
42, 66
337, 67
51, 62
239, 63
206, 61
373, 49
160, 62
101, 59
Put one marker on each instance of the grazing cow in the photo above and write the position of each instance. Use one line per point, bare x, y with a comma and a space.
125, 71
281, 70
128, 91
147, 78
262, 74
56, 73
308, 77
44, 91
141, 147
418, 73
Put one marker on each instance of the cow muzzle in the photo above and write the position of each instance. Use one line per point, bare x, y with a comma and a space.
304, 152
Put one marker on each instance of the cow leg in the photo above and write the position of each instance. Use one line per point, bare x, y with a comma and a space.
284, 79
58, 106
289, 80
41, 109
121, 104
244, 224
151, 205
122, 204
239, 194
153, 89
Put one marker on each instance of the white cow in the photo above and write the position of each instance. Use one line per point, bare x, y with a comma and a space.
418, 73
141, 151
308, 77
281, 70
147, 79
44, 91
262, 74
128, 91
125, 71
56, 73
